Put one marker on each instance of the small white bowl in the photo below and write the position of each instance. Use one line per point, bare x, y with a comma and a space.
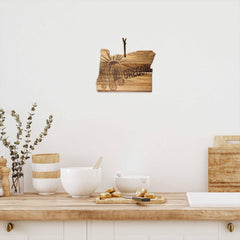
130, 184
46, 186
80, 181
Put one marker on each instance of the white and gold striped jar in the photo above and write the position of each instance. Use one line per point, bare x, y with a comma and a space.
46, 173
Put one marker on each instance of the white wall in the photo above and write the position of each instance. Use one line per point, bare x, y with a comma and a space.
50, 53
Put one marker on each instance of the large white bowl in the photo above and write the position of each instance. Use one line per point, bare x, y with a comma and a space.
80, 181
130, 184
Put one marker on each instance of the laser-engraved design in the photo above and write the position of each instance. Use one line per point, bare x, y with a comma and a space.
130, 73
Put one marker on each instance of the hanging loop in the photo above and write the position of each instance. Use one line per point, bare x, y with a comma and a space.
124, 46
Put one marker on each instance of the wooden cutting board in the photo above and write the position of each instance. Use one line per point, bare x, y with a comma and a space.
224, 164
157, 200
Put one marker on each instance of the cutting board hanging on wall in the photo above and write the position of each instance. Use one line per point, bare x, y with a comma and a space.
130, 72
224, 164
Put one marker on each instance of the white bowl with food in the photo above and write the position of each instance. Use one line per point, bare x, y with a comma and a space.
130, 184
80, 181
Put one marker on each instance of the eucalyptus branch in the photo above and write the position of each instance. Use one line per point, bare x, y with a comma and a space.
43, 133
26, 146
18, 159
19, 127
12, 147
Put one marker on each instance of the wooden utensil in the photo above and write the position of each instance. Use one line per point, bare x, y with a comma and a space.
98, 163
224, 164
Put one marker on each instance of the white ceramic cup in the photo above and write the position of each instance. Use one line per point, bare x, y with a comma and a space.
80, 181
46, 173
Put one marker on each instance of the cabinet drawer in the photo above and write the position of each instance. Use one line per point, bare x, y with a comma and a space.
31, 230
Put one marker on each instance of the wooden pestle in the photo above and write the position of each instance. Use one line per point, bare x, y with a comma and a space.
5, 171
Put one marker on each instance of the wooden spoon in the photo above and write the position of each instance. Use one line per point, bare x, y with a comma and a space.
98, 163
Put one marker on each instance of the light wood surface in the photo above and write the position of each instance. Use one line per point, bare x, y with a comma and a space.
52, 174
116, 200
63, 207
224, 165
46, 158
227, 141
132, 73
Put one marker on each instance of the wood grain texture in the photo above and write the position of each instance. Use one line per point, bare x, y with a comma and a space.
114, 200
227, 141
62, 207
52, 174
132, 73
224, 165
46, 158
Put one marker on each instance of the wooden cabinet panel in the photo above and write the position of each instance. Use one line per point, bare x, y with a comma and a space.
196, 230
75, 230
29, 230
131, 237
225, 234
120, 230
166, 237
166, 230
100, 230
173, 230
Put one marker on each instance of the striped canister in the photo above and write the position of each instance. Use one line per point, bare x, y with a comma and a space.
46, 173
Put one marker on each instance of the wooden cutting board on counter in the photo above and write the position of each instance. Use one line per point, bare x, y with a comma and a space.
114, 200
224, 164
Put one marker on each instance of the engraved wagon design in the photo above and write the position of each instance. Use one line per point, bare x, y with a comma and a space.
130, 73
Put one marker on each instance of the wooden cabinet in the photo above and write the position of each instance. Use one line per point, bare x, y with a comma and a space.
120, 230
31, 230
160, 230
224, 233
75, 230
41, 230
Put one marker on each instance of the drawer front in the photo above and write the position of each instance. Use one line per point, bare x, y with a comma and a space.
32, 230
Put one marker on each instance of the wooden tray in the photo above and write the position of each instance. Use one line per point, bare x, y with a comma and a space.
224, 164
157, 200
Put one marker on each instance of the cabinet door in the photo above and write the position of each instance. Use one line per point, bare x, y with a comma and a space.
32, 230
75, 230
198, 230
153, 230
225, 234
100, 230
166, 230
148, 230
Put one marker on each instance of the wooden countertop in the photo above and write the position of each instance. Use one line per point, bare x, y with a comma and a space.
62, 207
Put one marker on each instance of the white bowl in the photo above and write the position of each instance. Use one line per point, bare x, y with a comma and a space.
80, 181
130, 184
46, 186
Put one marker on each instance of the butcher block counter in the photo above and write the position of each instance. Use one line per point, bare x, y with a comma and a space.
63, 208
